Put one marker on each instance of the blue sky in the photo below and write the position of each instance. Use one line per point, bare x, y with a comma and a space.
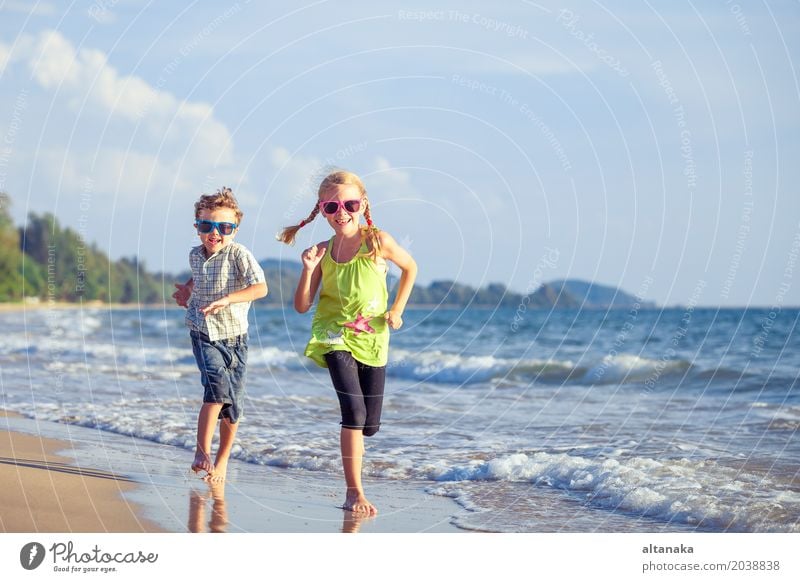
648, 145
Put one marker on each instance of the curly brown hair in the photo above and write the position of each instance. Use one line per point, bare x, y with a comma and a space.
222, 198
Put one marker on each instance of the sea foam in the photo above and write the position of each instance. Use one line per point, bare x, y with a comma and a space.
705, 494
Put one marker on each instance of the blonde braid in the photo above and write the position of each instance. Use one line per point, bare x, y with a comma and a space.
289, 233
372, 231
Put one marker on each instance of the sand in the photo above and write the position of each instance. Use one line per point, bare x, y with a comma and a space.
43, 492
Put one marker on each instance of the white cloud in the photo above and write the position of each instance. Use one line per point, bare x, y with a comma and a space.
129, 97
187, 137
294, 179
52, 60
85, 75
388, 180
113, 173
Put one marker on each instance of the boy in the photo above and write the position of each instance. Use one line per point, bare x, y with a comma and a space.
225, 279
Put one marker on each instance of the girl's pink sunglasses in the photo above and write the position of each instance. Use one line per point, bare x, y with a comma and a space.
333, 206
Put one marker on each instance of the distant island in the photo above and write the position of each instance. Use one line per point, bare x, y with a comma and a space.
45, 262
283, 275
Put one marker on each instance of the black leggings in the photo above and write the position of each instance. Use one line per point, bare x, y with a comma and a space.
360, 391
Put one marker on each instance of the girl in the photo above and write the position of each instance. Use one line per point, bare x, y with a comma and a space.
350, 329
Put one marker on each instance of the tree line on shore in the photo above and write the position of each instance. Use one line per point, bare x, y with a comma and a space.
45, 261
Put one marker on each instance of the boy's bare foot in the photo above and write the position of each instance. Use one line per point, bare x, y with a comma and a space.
358, 503
202, 462
197, 508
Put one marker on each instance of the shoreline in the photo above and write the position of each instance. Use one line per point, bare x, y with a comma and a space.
67, 478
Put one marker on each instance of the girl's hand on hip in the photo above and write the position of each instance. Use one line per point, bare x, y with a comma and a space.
394, 319
312, 256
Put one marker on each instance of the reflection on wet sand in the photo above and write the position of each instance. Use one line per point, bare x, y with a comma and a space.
352, 521
198, 501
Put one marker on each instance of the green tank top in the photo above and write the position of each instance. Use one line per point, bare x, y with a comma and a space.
350, 311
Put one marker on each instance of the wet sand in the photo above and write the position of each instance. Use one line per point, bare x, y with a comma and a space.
65, 478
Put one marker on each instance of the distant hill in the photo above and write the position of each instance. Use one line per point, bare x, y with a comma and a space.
282, 276
594, 295
547, 296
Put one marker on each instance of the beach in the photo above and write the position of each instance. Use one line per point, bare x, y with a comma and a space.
61, 478
43, 492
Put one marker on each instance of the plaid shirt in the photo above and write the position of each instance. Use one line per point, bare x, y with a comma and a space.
230, 269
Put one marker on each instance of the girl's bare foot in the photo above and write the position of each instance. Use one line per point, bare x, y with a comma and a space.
202, 462
358, 503
218, 473
352, 521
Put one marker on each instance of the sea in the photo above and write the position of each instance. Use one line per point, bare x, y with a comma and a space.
621, 420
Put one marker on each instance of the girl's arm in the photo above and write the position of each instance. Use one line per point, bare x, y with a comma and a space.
392, 251
310, 277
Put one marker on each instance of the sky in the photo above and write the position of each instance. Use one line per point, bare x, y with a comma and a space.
651, 146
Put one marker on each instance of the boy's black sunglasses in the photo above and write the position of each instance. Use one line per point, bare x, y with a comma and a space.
207, 226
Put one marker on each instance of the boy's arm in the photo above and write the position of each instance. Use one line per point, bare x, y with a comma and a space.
183, 292
400, 257
251, 293
250, 272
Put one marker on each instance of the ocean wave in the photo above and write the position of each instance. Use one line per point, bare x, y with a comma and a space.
60, 352
624, 368
433, 366
437, 366
442, 367
702, 495
276, 358
56, 349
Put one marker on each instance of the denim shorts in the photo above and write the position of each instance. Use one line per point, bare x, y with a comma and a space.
223, 364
